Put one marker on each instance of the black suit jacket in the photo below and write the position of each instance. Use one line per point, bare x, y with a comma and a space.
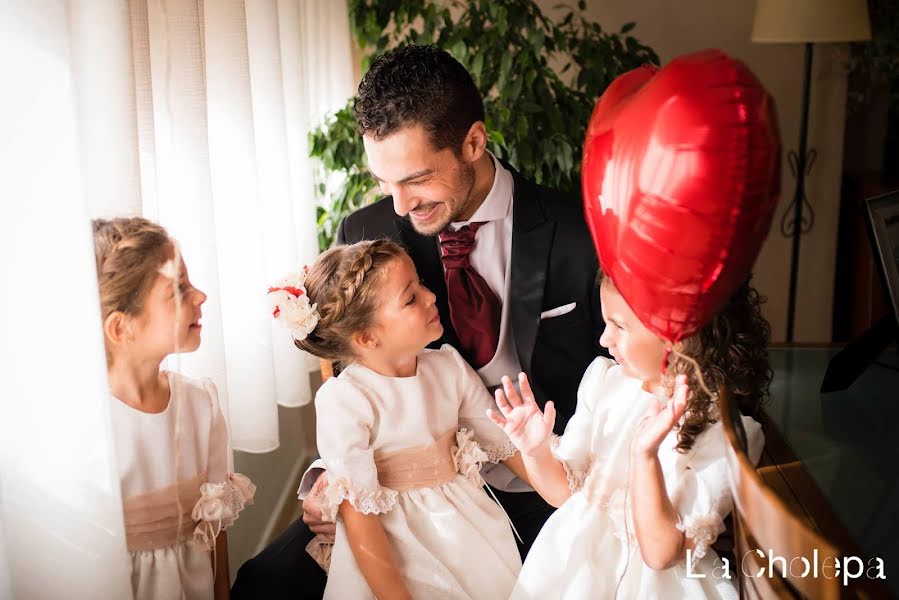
553, 264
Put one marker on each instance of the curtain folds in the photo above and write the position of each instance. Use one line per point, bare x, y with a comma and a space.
189, 112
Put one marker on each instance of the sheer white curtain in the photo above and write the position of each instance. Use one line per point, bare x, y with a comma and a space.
192, 113
60, 508
214, 105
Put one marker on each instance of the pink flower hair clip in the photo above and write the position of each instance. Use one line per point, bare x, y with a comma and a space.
291, 307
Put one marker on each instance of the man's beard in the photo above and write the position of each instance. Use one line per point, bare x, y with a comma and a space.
466, 181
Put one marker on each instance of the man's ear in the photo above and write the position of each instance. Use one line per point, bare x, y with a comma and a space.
475, 143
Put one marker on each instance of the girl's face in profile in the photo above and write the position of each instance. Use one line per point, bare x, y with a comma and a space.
406, 319
155, 327
631, 344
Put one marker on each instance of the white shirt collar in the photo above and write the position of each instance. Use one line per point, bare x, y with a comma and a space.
498, 201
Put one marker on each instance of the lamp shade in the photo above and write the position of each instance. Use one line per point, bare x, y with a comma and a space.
792, 21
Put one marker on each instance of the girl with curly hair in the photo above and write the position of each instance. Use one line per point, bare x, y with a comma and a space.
640, 473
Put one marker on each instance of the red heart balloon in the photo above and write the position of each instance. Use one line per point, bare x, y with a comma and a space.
681, 175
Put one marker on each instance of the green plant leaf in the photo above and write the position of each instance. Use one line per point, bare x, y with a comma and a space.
459, 51
477, 66
505, 66
537, 38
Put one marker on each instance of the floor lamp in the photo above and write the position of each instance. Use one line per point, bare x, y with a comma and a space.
807, 22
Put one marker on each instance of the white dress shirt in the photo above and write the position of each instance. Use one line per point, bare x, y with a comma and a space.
491, 258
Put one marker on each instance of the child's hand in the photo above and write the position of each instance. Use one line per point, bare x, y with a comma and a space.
660, 419
521, 419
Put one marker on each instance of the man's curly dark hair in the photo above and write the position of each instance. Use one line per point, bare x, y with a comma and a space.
418, 85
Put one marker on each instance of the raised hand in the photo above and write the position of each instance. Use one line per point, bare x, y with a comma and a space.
521, 419
660, 419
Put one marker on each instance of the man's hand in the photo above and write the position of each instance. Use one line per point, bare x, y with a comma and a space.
312, 509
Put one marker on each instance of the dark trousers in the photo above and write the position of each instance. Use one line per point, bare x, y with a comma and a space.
285, 571
528, 512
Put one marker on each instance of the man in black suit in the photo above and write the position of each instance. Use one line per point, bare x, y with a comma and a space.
422, 122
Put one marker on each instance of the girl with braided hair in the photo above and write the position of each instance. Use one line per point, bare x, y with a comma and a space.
402, 431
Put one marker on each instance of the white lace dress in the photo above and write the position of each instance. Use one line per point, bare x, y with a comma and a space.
386, 442
587, 549
177, 492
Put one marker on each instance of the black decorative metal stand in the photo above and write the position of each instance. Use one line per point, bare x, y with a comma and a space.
799, 218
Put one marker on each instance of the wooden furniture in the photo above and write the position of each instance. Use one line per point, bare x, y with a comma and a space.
765, 525
327, 369
830, 463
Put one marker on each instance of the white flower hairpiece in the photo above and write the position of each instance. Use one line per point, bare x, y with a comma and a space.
291, 307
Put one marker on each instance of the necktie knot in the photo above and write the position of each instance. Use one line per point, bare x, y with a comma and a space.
475, 311
456, 246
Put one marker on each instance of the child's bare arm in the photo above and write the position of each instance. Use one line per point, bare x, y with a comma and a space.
373, 553
546, 475
662, 544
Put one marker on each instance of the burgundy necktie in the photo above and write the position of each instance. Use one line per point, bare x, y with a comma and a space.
475, 311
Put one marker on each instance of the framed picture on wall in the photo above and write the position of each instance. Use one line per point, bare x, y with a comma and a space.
883, 219
883, 229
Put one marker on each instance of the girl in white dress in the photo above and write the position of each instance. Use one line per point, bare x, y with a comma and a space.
640, 473
402, 431
178, 491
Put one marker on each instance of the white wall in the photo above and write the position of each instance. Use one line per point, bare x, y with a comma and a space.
674, 28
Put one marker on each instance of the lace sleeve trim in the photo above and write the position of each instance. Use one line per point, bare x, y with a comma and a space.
320, 548
703, 530
367, 502
219, 506
574, 476
499, 452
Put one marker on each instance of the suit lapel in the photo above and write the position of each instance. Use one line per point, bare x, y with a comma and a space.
532, 237
424, 252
